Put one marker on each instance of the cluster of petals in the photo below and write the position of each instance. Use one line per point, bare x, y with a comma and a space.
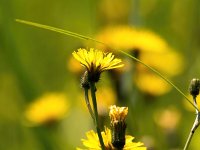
92, 142
96, 61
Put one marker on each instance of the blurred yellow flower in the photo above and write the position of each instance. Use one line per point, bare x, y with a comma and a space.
120, 37
130, 38
49, 108
74, 66
92, 142
151, 49
96, 62
167, 119
151, 83
105, 98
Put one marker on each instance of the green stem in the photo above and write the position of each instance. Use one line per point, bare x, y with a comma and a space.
88, 104
93, 95
188, 141
194, 127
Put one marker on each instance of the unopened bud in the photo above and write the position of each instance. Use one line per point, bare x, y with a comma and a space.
194, 87
118, 125
84, 80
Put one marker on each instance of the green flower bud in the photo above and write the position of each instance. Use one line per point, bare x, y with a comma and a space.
194, 87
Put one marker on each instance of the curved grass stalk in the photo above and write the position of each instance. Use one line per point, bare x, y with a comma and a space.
76, 35
58, 30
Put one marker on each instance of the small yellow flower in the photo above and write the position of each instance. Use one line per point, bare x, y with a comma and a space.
47, 109
92, 142
96, 62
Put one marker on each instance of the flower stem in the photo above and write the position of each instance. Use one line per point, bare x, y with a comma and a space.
93, 90
194, 127
88, 104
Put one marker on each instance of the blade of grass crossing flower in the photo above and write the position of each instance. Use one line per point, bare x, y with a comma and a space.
76, 35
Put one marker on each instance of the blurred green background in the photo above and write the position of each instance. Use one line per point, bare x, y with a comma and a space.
34, 61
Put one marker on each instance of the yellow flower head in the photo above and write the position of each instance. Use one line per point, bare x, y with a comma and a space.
47, 109
96, 62
118, 113
92, 142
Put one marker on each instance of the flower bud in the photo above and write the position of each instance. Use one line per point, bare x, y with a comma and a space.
84, 80
118, 125
194, 87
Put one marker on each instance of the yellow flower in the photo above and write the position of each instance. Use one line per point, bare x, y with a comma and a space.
169, 63
105, 98
96, 62
167, 119
130, 38
154, 85
92, 142
49, 108
74, 66
151, 49
120, 37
